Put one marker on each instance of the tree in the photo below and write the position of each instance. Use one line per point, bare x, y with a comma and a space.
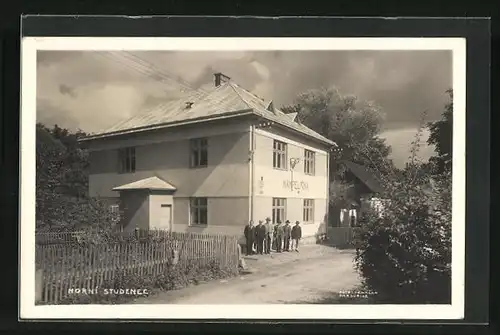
62, 200
404, 251
441, 136
74, 176
353, 124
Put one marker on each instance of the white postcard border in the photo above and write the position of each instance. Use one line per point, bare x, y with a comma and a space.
28, 309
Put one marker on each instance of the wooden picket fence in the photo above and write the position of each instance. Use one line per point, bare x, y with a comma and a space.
57, 237
61, 237
66, 266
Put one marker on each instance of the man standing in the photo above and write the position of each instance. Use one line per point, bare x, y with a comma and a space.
279, 236
260, 233
287, 234
353, 215
296, 236
270, 235
266, 232
249, 237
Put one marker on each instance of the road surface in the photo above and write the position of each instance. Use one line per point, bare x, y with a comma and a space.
290, 277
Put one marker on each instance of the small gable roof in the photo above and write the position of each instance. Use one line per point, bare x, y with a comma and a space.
226, 100
152, 183
365, 176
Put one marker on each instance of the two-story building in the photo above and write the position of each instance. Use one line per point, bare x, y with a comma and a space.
212, 163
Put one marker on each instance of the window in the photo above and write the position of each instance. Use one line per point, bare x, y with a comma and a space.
279, 155
126, 157
114, 209
308, 213
199, 152
199, 211
309, 162
115, 212
279, 210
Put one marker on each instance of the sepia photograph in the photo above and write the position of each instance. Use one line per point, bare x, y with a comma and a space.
241, 172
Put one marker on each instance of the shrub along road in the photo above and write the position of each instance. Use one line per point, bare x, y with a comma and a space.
308, 276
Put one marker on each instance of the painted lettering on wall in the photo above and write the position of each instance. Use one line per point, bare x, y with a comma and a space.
295, 185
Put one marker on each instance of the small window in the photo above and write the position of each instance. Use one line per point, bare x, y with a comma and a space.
279, 155
308, 213
309, 162
199, 211
115, 209
199, 152
279, 210
115, 212
126, 158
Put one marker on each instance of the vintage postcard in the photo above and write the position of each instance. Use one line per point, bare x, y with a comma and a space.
243, 178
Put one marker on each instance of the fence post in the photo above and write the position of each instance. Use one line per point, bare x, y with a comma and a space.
38, 285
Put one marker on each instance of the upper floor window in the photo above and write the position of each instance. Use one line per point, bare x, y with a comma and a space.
279, 155
199, 152
198, 211
126, 157
309, 162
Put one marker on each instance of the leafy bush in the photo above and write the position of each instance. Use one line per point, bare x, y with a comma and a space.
404, 250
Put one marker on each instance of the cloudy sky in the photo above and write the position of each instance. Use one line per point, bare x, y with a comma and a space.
93, 90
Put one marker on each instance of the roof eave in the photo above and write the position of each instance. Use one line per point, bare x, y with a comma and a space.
166, 125
144, 189
316, 139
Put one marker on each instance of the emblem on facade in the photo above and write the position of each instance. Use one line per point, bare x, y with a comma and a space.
261, 185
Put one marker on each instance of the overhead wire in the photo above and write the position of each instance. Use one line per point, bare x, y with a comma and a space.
162, 72
148, 70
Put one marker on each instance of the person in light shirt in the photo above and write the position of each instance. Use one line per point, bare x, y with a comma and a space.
348, 217
270, 235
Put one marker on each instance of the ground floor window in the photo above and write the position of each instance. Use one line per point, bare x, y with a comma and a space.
198, 211
308, 211
279, 210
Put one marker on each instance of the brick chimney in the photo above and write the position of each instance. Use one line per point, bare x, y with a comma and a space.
219, 78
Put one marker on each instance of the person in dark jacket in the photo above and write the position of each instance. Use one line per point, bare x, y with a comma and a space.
270, 235
249, 237
287, 235
279, 236
296, 236
260, 236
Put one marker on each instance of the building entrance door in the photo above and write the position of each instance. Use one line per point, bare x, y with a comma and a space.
165, 217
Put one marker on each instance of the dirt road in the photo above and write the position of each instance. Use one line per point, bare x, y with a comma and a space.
277, 278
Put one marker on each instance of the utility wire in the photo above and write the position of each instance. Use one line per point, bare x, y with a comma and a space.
147, 71
155, 70
162, 71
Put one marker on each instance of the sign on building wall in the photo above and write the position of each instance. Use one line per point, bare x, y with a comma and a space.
295, 185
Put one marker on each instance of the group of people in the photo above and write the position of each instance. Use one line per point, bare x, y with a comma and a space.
267, 236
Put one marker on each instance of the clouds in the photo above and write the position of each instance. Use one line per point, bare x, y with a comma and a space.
94, 90
401, 141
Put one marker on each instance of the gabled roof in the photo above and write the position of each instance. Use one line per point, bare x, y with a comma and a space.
152, 183
365, 176
227, 100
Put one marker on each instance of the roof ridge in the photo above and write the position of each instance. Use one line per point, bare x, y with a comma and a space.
232, 85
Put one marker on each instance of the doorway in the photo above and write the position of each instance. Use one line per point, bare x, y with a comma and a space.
165, 220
